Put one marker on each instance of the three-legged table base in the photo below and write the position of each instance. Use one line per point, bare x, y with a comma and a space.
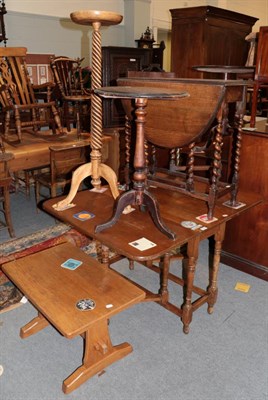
131, 198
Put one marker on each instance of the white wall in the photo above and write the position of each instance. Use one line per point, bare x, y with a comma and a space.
63, 8
256, 8
59, 36
161, 16
45, 26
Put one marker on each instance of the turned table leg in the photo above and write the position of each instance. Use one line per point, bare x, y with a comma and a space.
187, 308
213, 278
164, 278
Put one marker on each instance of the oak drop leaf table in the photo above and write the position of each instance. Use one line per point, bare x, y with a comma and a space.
174, 208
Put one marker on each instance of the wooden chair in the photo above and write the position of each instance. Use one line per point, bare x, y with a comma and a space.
73, 93
5, 181
261, 71
63, 161
18, 100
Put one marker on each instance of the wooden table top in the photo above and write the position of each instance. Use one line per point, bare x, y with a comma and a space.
174, 208
130, 92
225, 69
33, 151
55, 290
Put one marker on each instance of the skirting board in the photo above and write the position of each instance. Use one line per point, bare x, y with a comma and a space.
247, 266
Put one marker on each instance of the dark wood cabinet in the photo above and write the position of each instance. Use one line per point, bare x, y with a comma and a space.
208, 35
245, 245
116, 62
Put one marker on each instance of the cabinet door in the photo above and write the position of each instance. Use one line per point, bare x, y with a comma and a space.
207, 35
116, 62
225, 43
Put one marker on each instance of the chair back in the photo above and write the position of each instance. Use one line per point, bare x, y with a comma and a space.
14, 75
64, 160
68, 76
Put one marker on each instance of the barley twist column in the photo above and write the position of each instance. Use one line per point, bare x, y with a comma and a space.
96, 105
97, 19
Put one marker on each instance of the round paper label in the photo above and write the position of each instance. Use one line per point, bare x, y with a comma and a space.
85, 304
188, 224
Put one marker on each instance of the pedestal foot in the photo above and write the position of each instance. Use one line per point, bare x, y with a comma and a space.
124, 200
79, 175
99, 353
152, 205
34, 326
130, 198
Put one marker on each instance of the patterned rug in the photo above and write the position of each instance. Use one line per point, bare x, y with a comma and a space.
10, 296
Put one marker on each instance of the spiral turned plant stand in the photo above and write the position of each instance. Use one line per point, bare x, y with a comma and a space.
97, 170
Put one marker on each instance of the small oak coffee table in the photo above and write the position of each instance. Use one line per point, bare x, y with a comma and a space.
57, 292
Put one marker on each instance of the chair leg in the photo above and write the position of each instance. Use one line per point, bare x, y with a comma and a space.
7, 212
26, 179
37, 194
18, 123
16, 179
78, 123
57, 119
28, 175
34, 119
53, 191
66, 117
7, 123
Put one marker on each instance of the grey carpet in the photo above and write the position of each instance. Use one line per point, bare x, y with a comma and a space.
224, 357
25, 218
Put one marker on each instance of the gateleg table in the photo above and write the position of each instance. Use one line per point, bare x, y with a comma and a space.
174, 208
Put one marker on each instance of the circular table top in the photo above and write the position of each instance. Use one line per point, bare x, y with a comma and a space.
87, 17
131, 92
225, 69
